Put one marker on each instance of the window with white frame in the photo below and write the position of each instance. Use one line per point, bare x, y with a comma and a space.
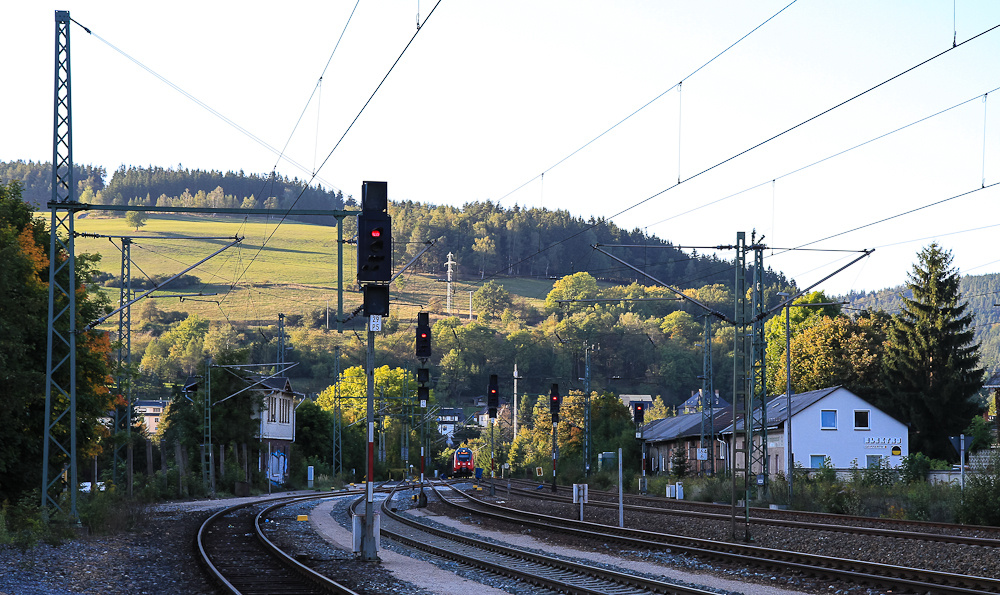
816, 461
862, 419
873, 461
828, 419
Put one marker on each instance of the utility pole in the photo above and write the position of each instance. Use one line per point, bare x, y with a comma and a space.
789, 455
451, 263
707, 410
586, 410
338, 461
554, 402
513, 421
281, 339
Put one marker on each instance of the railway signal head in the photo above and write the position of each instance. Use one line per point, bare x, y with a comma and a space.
374, 247
554, 400
423, 395
423, 344
493, 396
640, 413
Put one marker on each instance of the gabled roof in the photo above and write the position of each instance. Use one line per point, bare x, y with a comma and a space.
278, 383
692, 404
629, 399
681, 426
994, 381
152, 403
776, 407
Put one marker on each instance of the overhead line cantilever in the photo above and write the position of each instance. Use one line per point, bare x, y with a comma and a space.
793, 297
679, 293
235, 241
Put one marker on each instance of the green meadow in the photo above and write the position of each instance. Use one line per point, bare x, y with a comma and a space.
289, 268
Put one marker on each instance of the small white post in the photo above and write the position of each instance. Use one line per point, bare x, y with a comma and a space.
621, 498
961, 444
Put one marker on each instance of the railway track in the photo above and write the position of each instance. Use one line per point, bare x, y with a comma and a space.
897, 578
547, 572
241, 559
813, 521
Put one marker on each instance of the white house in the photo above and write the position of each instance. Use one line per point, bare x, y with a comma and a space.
838, 424
831, 423
276, 419
448, 418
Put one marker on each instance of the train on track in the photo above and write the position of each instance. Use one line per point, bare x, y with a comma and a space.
463, 463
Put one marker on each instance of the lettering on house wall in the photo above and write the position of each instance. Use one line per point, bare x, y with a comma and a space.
882, 442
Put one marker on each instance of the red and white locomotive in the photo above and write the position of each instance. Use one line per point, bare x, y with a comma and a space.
463, 464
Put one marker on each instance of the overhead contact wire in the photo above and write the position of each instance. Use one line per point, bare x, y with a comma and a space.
200, 103
825, 159
318, 88
648, 103
330, 154
758, 145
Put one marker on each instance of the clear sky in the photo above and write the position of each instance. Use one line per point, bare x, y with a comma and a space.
492, 94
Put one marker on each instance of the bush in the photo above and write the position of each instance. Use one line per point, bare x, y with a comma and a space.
980, 497
922, 501
25, 523
709, 489
110, 512
915, 467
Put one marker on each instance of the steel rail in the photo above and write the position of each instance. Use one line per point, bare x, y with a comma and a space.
786, 523
537, 569
309, 580
857, 571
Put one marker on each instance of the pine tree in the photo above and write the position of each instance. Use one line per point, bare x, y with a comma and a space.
931, 364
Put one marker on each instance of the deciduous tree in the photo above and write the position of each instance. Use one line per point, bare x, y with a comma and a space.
24, 241
136, 219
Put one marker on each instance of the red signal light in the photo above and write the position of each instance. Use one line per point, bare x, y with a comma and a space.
376, 233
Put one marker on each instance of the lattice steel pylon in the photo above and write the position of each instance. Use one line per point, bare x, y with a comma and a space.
749, 387
758, 375
123, 376
59, 450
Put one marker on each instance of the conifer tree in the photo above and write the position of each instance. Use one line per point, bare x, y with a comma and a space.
931, 364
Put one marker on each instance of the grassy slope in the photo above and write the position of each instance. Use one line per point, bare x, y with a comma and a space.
295, 274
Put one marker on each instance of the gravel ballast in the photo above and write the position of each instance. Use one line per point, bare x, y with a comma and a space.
159, 557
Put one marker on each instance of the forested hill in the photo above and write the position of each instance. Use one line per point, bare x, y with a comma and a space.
485, 239
36, 179
981, 292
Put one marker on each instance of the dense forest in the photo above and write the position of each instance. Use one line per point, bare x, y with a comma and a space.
36, 180
982, 293
486, 239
